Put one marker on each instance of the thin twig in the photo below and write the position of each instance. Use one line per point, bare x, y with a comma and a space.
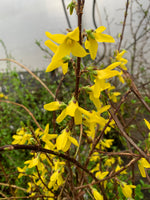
79, 13
32, 74
25, 108
110, 176
13, 186
124, 134
124, 23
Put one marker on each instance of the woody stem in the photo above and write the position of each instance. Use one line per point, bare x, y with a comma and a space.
79, 13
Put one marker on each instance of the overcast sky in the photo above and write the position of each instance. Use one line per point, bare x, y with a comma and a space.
24, 21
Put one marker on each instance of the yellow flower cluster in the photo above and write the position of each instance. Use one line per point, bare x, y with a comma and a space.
93, 121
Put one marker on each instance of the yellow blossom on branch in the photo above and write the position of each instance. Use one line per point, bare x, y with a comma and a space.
55, 63
119, 168
93, 37
96, 194
113, 95
127, 189
100, 175
106, 143
64, 140
142, 164
34, 162
101, 76
72, 109
22, 136
68, 44
122, 60
56, 105
109, 161
147, 124
96, 101
56, 179
47, 137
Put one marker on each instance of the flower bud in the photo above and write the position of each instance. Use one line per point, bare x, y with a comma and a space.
90, 34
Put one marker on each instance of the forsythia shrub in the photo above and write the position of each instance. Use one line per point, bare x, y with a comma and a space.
78, 160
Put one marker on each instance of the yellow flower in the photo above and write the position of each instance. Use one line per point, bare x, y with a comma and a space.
96, 194
147, 124
107, 143
3, 96
95, 156
96, 168
101, 76
52, 106
127, 189
64, 140
101, 175
142, 164
47, 137
21, 171
56, 178
122, 60
93, 37
55, 63
93, 118
68, 44
72, 110
34, 162
109, 162
96, 101
118, 168
113, 95
22, 136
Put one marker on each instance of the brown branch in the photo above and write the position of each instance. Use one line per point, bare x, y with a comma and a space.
117, 153
42, 179
112, 175
124, 23
124, 134
13, 186
134, 89
40, 149
79, 13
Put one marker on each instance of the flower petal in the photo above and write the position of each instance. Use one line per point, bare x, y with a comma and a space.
147, 124
61, 141
61, 116
63, 50
54, 65
52, 106
100, 29
59, 38
92, 46
96, 194
104, 38
142, 170
65, 68
74, 35
71, 108
77, 50
73, 140
77, 117
51, 45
